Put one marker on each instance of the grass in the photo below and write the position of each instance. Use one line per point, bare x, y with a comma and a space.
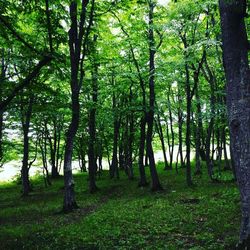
122, 216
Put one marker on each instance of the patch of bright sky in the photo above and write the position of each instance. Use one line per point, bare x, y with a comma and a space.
163, 2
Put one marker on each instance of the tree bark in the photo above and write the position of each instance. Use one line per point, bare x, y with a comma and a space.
78, 49
2, 77
69, 194
198, 134
131, 137
26, 116
235, 59
54, 149
160, 132
156, 186
114, 172
143, 180
188, 127
180, 125
92, 129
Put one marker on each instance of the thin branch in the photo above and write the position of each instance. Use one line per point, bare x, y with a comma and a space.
49, 26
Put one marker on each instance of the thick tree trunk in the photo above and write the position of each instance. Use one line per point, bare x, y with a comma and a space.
1, 138
78, 47
235, 55
69, 195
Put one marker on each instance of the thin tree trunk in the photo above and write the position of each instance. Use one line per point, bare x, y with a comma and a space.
53, 150
130, 137
150, 115
180, 124
92, 129
25, 166
207, 72
188, 127
198, 134
114, 172
43, 148
2, 77
171, 145
160, 132
58, 148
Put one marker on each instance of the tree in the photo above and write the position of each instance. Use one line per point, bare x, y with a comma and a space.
92, 120
235, 57
150, 114
78, 38
26, 112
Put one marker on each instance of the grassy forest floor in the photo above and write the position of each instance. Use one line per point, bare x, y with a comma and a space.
121, 215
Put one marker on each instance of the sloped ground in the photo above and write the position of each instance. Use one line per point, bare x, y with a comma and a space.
122, 216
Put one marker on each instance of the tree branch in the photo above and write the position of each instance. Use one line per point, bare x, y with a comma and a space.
25, 82
17, 36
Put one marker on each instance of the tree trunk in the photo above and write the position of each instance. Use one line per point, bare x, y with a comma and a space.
160, 132
69, 195
150, 115
43, 147
209, 75
235, 55
180, 124
170, 138
1, 138
114, 172
92, 130
143, 180
2, 78
58, 154
26, 116
198, 133
53, 151
188, 127
78, 47
130, 137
